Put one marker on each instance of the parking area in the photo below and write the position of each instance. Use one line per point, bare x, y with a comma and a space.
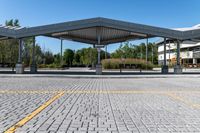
42, 104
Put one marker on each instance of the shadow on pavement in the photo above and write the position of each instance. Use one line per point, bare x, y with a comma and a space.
93, 73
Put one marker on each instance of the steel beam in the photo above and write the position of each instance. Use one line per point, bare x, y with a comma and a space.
99, 22
20, 51
177, 68
178, 53
140, 29
19, 65
61, 52
99, 66
147, 41
33, 68
165, 67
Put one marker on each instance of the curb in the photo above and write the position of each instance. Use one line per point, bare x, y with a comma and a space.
97, 76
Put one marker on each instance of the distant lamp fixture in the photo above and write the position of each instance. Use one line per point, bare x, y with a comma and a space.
138, 34
60, 33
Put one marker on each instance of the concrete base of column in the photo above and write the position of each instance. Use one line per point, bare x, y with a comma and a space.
33, 68
178, 69
164, 69
19, 68
98, 69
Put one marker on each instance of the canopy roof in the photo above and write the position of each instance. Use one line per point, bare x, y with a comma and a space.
6, 33
98, 31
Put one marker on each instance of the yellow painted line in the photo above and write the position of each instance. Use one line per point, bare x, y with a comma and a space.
33, 114
191, 104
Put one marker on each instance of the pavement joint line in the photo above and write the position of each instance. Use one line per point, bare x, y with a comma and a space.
33, 114
26, 92
187, 102
94, 92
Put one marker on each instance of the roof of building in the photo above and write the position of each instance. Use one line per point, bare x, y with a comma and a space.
195, 27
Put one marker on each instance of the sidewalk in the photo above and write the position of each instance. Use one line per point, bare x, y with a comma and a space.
101, 76
86, 73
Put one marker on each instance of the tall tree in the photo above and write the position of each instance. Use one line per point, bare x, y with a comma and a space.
77, 57
49, 58
69, 56
128, 50
9, 48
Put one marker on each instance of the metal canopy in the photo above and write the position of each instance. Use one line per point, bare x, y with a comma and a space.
6, 33
89, 30
90, 35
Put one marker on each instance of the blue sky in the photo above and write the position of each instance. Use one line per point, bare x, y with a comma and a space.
163, 13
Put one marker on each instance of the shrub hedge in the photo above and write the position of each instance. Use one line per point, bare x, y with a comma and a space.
128, 63
49, 66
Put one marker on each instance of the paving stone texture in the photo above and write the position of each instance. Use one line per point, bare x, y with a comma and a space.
143, 105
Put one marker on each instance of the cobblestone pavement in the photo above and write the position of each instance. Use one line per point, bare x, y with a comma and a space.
143, 105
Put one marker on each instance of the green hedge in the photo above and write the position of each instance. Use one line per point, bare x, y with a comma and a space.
49, 66
115, 63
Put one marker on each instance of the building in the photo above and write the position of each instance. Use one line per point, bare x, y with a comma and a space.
189, 50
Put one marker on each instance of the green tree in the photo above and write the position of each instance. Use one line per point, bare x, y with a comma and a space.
48, 57
39, 55
77, 57
128, 50
9, 48
68, 56
27, 50
57, 59
125, 50
12, 23
89, 56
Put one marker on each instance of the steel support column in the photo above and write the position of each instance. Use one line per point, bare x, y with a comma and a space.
178, 53
177, 68
106, 52
19, 65
147, 52
61, 52
169, 62
165, 67
99, 66
33, 68
20, 51
99, 55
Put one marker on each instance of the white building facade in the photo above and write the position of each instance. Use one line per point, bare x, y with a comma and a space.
189, 52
